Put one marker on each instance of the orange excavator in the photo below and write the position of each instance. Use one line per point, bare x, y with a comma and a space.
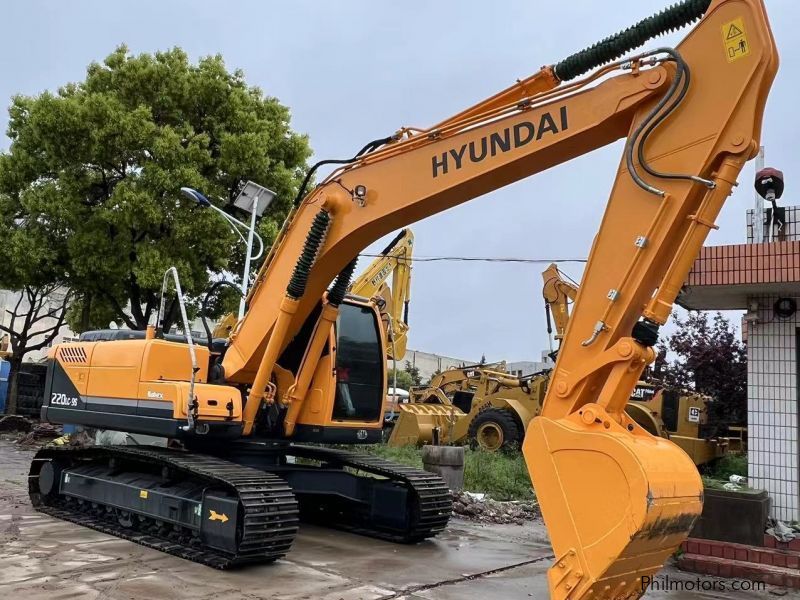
558, 291
307, 363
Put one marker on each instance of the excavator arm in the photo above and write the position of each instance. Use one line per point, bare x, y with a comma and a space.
558, 292
395, 260
617, 500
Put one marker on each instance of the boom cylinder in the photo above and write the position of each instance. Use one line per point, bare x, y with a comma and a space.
294, 292
297, 393
660, 306
330, 312
287, 310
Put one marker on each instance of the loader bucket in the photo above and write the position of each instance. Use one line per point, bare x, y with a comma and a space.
416, 423
617, 503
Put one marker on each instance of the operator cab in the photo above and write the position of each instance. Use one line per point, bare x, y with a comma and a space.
360, 364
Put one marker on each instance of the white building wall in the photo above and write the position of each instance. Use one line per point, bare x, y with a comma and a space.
528, 367
428, 363
772, 384
773, 453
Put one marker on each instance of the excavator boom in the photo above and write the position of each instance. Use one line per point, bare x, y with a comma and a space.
557, 293
394, 261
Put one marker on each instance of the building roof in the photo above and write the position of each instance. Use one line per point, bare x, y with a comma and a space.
724, 277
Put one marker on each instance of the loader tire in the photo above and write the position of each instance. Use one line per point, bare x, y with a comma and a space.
494, 429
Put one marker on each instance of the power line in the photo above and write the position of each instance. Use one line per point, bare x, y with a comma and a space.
484, 259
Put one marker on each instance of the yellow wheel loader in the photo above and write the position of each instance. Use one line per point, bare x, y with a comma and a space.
685, 419
486, 407
307, 363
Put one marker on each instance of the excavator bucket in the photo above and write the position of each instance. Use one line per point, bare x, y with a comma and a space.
417, 423
617, 503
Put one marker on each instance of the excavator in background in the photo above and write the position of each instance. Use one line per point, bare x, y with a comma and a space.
307, 362
392, 302
558, 291
682, 416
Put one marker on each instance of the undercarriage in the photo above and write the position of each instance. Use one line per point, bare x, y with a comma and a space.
239, 504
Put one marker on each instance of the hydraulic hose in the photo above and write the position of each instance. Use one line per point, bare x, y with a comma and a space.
371, 146
617, 45
204, 306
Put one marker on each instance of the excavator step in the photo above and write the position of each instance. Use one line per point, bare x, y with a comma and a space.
197, 507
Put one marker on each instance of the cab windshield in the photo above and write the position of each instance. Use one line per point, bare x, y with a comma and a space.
359, 365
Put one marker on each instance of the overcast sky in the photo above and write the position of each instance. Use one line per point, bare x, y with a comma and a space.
352, 71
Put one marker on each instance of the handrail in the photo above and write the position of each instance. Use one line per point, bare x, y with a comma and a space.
191, 405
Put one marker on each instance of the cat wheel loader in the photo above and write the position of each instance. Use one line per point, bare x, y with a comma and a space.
686, 419
481, 404
307, 362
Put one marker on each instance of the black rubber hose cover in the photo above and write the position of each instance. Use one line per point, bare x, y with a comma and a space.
617, 45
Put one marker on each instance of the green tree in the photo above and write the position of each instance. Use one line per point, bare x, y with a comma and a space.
98, 167
404, 380
413, 372
708, 358
32, 258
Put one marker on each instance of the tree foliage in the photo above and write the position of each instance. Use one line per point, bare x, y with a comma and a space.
89, 189
710, 359
402, 377
413, 372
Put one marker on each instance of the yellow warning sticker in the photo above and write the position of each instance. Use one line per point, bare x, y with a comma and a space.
143, 494
734, 38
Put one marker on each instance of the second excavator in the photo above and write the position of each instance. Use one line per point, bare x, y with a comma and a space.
307, 363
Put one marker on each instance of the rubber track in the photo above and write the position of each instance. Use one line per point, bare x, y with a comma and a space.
434, 503
268, 516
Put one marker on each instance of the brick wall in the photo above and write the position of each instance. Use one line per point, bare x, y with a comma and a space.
738, 264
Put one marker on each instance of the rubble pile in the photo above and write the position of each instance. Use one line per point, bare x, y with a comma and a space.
478, 507
15, 423
40, 434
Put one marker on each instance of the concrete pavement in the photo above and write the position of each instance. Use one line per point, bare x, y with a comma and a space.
42, 558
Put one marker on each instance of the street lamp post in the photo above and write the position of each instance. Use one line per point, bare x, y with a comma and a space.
253, 198
250, 198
